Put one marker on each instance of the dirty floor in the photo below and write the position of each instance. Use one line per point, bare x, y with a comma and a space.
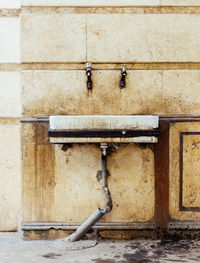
14, 250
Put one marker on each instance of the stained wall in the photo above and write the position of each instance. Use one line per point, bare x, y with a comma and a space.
10, 113
42, 72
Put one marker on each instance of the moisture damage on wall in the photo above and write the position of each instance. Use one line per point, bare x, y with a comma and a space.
159, 44
65, 179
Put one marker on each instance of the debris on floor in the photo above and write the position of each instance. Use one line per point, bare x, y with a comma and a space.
15, 250
78, 245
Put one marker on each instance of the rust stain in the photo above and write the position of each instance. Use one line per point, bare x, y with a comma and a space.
41, 133
38, 175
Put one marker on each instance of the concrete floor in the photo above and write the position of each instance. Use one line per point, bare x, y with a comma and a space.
14, 250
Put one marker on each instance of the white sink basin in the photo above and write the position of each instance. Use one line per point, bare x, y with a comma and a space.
103, 128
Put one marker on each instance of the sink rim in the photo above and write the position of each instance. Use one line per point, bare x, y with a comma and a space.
103, 122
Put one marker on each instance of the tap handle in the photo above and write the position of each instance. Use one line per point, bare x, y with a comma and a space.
89, 74
123, 75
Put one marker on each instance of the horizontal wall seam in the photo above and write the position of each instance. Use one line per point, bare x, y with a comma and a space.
111, 10
69, 226
100, 10
100, 66
9, 120
10, 66
9, 12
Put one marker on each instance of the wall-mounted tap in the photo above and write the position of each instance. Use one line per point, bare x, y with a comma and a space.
89, 74
122, 81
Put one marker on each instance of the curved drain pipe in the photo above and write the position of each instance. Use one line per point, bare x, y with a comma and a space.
97, 215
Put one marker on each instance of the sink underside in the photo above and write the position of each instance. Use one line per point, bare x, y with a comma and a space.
103, 128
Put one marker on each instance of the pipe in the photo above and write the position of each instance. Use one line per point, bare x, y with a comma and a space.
97, 215
104, 174
104, 147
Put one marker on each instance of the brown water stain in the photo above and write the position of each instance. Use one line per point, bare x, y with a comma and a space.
38, 170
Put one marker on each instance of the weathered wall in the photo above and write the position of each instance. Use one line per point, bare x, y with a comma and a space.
65, 180
10, 112
158, 40
184, 171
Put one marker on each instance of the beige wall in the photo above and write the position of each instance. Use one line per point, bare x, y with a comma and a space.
10, 4
60, 185
110, 2
110, 38
159, 42
10, 112
184, 175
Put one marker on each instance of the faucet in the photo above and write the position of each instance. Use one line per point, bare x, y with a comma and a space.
89, 74
122, 81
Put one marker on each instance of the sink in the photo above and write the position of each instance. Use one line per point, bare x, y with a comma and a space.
103, 128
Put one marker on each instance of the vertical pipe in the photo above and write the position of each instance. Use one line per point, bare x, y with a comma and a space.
104, 170
97, 215
104, 147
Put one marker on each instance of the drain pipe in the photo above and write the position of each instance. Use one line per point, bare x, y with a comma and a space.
97, 215
104, 147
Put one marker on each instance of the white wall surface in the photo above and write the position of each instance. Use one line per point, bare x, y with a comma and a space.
10, 4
